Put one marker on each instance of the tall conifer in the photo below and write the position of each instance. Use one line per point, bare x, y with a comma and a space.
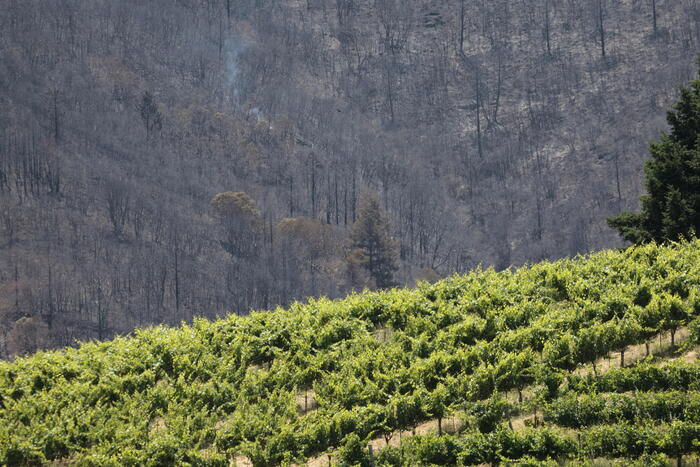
671, 207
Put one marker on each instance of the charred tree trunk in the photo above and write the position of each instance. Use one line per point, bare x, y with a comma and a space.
601, 26
546, 27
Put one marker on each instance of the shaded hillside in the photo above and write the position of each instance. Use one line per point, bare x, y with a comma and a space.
285, 386
494, 132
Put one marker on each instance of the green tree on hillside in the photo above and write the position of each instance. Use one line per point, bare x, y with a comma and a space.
671, 207
372, 245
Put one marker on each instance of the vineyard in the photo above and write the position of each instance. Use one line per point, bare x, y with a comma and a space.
509, 366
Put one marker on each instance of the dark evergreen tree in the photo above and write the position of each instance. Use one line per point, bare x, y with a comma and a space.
372, 245
671, 207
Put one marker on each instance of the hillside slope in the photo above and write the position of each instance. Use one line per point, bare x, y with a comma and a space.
377, 363
495, 132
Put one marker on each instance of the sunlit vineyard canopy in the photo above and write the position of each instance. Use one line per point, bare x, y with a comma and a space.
328, 376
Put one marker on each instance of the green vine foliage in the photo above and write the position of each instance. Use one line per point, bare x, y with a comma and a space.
378, 363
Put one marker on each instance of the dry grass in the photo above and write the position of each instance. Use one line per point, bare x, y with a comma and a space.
61, 462
383, 334
659, 346
156, 425
240, 461
525, 420
451, 424
306, 401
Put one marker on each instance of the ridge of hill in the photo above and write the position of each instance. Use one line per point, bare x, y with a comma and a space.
379, 363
